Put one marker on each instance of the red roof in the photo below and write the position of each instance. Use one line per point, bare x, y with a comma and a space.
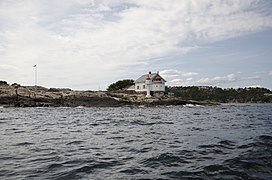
147, 77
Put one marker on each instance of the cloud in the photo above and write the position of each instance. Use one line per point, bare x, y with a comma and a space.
251, 78
175, 73
170, 73
174, 77
230, 78
219, 79
189, 79
270, 73
189, 74
176, 82
75, 42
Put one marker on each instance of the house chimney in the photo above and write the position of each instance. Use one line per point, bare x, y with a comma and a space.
157, 72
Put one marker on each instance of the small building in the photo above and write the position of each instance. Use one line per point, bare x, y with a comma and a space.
152, 83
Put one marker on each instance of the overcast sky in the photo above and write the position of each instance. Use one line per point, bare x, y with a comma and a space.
88, 44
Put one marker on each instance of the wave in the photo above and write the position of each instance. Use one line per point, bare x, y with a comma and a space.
136, 143
24, 144
165, 159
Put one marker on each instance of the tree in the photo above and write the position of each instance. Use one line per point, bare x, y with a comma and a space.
3, 83
120, 85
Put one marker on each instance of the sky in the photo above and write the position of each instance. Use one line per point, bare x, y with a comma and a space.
89, 44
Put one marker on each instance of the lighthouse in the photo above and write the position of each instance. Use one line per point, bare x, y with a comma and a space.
148, 85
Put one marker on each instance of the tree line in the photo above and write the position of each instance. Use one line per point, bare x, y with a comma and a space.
229, 95
202, 93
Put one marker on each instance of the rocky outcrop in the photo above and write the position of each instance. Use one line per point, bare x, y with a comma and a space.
140, 99
37, 96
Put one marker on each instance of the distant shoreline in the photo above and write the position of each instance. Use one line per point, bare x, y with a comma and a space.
16, 95
37, 96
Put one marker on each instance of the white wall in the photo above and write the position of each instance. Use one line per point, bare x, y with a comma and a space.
140, 87
158, 87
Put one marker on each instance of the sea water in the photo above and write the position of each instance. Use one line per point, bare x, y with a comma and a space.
231, 141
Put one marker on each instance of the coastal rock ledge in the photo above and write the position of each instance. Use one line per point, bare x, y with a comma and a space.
36, 96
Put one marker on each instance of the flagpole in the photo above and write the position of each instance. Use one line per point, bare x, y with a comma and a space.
36, 76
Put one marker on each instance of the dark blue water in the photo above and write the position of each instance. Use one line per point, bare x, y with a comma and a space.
219, 142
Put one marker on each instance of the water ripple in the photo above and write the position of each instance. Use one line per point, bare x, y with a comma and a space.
222, 142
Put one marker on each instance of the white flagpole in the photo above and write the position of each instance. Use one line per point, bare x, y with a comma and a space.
36, 76
35, 88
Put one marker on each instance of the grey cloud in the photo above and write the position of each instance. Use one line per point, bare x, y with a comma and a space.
108, 36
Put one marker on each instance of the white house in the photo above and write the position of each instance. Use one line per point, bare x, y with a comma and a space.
150, 83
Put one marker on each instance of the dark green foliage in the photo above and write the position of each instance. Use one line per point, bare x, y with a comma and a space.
16, 85
120, 85
241, 95
3, 83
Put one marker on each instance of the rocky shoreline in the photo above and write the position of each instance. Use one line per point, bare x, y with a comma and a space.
37, 96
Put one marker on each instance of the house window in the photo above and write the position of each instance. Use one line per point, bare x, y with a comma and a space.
143, 86
138, 87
